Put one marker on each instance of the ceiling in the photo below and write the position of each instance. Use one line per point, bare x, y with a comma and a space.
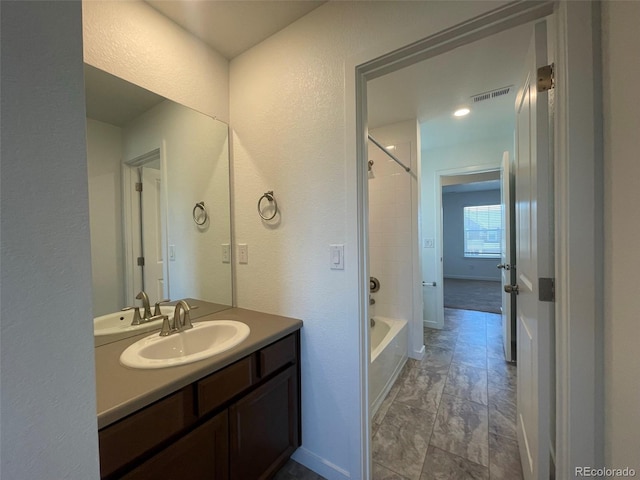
429, 91
231, 26
432, 89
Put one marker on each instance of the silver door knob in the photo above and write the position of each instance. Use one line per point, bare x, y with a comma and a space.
506, 266
512, 289
428, 284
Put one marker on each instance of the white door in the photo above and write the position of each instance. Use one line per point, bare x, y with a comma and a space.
506, 265
534, 250
152, 234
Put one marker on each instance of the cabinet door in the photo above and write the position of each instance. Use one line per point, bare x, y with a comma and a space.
264, 427
201, 454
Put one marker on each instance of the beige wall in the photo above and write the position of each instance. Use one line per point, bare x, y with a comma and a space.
48, 409
622, 231
133, 41
289, 107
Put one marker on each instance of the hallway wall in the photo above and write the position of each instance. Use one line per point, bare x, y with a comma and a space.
622, 231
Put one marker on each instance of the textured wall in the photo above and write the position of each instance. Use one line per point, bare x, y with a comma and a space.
289, 108
48, 406
104, 153
133, 41
622, 230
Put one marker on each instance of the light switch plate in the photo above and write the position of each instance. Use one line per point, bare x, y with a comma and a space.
336, 256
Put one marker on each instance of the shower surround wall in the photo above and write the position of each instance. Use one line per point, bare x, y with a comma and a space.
392, 239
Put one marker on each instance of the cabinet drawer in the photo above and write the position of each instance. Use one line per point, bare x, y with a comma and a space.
140, 432
277, 355
201, 454
221, 386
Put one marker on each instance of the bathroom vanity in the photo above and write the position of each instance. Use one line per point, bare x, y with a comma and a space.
233, 416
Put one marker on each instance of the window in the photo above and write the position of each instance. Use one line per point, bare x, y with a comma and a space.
482, 231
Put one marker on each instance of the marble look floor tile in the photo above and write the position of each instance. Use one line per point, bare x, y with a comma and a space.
381, 473
504, 459
461, 428
502, 412
466, 382
422, 388
502, 374
386, 403
401, 442
495, 349
472, 337
292, 470
434, 358
440, 338
441, 465
470, 355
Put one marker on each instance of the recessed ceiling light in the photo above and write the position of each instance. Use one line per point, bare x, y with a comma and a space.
462, 112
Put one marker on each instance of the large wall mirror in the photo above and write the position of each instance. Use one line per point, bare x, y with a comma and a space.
159, 198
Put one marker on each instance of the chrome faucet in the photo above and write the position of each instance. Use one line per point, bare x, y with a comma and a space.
145, 304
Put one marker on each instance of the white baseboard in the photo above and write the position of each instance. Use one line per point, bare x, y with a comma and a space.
432, 324
319, 465
469, 277
418, 355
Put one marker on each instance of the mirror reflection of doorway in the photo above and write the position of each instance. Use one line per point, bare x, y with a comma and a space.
145, 221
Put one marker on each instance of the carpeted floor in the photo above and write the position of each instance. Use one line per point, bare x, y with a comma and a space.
480, 295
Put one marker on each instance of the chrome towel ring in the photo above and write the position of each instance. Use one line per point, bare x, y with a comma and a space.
200, 214
269, 196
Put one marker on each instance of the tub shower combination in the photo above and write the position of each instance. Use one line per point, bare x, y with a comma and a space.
389, 347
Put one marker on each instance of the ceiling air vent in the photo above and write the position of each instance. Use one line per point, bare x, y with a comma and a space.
498, 92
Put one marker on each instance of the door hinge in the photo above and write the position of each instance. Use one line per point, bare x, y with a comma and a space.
546, 78
138, 186
141, 261
547, 289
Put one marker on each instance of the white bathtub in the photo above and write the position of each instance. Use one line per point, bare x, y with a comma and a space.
389, 347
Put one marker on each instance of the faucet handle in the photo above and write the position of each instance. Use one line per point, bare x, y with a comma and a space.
166, 326
156, 308
136, 314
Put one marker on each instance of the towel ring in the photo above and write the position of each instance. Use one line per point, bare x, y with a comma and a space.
200, 214
269, 196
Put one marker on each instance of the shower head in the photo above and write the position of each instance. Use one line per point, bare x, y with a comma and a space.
370, 164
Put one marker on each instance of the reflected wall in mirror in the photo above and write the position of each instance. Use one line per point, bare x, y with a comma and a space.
150, 162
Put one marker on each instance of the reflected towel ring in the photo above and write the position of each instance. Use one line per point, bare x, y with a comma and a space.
269, 196
200, 214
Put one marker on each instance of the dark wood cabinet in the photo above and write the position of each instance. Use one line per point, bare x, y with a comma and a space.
241, 423
201, 454
264, 428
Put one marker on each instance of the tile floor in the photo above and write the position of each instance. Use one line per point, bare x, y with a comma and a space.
451, 415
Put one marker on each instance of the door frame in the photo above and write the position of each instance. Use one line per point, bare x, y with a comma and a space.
578, 203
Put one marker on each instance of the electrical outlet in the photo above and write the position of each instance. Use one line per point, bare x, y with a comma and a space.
429, 243
226, 253
243, 253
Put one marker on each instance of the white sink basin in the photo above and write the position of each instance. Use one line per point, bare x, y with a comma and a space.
204, 340
120, 322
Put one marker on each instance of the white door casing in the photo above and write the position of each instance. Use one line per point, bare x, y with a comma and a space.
507, 266
152, 237
534, 259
